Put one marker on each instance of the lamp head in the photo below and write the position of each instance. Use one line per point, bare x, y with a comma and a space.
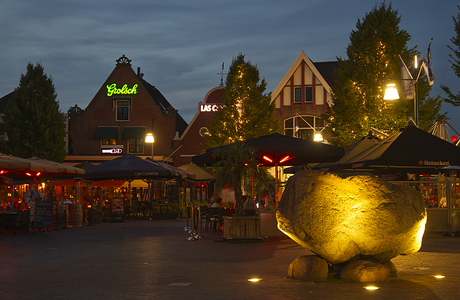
391, 93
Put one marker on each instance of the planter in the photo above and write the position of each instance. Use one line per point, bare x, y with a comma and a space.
242, 229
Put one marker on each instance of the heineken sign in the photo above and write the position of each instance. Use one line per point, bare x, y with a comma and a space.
433, 163
124, 90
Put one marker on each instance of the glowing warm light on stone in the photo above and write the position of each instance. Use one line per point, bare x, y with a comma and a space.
371, 288
254, 279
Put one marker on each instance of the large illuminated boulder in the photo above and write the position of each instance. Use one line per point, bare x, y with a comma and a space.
350, 217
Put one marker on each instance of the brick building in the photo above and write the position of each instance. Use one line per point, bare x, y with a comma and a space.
118, 118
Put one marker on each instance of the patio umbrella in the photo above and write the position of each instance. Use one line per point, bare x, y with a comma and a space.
8, 163
410, 148
351, 151
201, 173
281, 150
130, 167
52, 167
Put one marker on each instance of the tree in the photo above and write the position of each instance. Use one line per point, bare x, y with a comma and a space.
372, 61
455, 61
33, 122
233, 161
246, 111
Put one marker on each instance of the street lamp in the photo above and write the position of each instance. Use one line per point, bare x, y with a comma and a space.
150, 140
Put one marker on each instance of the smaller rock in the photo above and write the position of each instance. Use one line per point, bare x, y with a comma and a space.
393, 270
365, 271
308, 268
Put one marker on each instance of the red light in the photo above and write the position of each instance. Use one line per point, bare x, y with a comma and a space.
267, 158
3, 172
454, 139
284, 159
38, 174
28, 174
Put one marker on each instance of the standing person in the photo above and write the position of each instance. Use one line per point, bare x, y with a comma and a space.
29, 199
213, 200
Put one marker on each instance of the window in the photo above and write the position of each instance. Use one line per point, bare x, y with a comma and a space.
308, 94
136, 145
298, 95
109, 142
122, 110
308, 125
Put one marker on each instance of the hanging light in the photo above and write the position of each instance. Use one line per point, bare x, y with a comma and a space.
391, 93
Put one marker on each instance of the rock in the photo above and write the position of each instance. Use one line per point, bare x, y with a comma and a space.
308, 268
351, 217
365, 271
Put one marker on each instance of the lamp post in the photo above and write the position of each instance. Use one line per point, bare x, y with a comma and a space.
150, 140
410, 87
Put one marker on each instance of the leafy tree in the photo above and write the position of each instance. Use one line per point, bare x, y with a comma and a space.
455, 61
246, 111
33, 122
372, 61
234, 161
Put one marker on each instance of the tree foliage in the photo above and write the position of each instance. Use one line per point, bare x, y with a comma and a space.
33, 122
373, 60
246, 111
455, 61
234, 161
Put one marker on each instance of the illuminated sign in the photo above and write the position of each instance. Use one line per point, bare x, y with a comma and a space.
112, 151
433, 163
113, 90
210, 107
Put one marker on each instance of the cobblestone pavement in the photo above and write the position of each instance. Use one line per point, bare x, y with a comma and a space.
141, 259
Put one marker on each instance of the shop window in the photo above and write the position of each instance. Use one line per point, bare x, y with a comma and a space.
136, 145
122, 110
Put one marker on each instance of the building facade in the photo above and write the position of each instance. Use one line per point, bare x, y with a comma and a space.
118, 118
303, 95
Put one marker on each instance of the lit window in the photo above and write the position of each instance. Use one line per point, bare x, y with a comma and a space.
109, 142
136, 145
307, 126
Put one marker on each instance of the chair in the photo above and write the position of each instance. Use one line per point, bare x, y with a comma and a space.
220, 218
203, 215
25, 221
210, 218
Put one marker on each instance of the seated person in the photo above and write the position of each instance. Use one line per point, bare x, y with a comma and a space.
218, 203
249, 207
269, 205
213, 200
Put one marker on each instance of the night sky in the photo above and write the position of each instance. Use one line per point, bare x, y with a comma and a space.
180, 45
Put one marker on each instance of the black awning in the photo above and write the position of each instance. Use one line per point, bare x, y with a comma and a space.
134, 133
107, 133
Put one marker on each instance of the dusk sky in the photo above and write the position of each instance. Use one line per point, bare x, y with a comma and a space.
180, 45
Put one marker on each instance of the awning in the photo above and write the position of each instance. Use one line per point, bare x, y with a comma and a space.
107, 133
134, 133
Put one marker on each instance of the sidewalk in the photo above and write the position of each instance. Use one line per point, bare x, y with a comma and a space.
141, 259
